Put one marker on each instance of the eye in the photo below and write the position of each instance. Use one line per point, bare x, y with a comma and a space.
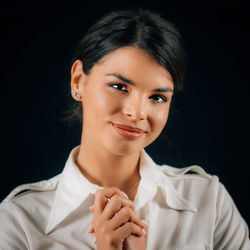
159, 98
118, 86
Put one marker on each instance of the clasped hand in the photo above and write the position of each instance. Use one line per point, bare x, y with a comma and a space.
115, 223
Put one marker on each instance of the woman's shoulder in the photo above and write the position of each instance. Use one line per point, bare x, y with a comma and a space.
192, 173
28, 204
190, 181
31, 189
193, 177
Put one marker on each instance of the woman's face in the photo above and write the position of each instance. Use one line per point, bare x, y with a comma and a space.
127, 87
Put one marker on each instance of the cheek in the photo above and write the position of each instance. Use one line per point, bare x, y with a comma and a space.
100, 103
159, 119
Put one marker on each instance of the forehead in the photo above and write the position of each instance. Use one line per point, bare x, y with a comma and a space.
135, 64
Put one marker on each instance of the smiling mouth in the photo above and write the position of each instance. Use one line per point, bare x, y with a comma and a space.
127, 131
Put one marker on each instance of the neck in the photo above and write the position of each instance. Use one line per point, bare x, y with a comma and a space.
107, 169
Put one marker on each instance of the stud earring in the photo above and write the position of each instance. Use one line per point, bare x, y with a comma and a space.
75, 94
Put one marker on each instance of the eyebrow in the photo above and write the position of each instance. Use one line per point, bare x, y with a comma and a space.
124, 79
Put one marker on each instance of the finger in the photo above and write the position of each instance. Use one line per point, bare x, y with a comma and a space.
92, 208
101, 199
91, 229
102, 196
114, 205
100, 202
127, 229
125, 215
124, 202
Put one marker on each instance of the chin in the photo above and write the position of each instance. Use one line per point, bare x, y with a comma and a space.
123, 149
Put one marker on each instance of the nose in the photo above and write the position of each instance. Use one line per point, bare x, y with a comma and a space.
135, 107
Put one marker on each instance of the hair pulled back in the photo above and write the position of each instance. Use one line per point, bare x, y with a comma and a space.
140, 28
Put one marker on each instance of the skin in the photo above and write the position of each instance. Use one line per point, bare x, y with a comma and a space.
115, 223
107, 98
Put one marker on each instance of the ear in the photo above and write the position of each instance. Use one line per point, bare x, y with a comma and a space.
77, 78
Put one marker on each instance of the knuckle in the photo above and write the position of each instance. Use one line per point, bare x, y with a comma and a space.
103, 228
130, 212
109, 238
116, 198
131, 226
127, 210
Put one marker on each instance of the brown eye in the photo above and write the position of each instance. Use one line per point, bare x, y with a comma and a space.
159, 98
118, 86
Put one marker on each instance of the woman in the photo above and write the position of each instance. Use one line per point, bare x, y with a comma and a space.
111, 194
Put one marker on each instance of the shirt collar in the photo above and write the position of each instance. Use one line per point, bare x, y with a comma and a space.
73, 189
152, 179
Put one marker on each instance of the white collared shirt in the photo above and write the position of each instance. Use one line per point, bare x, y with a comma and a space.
183, 211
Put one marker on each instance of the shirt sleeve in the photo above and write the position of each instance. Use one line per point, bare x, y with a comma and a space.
231, 231
12, 236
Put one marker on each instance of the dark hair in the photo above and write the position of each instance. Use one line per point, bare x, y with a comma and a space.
140, 28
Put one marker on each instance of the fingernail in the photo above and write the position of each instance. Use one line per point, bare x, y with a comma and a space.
144, 222
90, 229
91, 208
125, 195
144, 232
94, 240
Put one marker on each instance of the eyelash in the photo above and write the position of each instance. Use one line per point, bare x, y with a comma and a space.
164, 99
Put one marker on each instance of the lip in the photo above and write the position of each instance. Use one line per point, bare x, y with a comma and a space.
128, 128
128, 131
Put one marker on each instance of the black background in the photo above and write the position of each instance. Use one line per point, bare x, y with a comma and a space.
209, 120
